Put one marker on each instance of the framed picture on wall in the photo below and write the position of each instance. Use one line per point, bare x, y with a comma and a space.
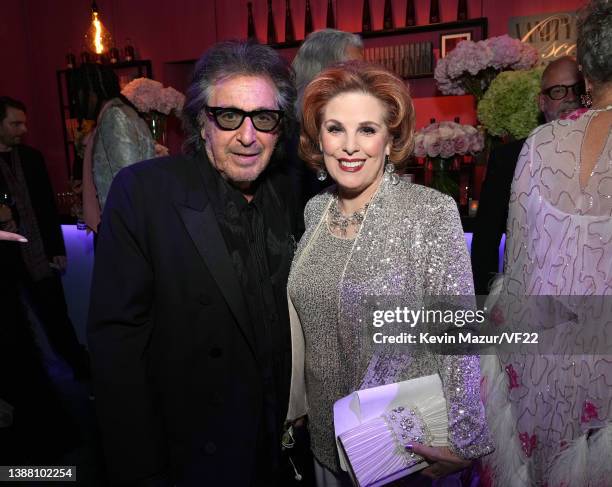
448, 42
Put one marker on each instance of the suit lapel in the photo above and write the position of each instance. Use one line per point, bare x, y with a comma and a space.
199, 219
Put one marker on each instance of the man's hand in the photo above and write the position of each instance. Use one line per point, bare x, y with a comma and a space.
161, 150
12, 237
442, 461
60, 262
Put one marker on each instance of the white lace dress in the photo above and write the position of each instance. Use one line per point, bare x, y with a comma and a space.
551, 412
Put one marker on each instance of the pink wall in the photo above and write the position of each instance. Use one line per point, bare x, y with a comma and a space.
36, 34
15, 77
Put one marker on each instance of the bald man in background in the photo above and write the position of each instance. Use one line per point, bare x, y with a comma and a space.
561, 87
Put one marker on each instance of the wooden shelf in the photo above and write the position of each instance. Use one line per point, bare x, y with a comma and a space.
287, 45
480, 22
138, 63
419, 76
141, 67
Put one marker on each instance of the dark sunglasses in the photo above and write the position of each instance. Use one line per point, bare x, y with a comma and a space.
232, 118
558, 92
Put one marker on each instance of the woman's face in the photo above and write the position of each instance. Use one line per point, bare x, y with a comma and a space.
354, 140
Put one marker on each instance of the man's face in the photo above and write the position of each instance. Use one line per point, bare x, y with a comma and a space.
13, 127
564, 74
241, 155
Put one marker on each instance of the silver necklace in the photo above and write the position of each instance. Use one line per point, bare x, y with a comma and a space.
337, 222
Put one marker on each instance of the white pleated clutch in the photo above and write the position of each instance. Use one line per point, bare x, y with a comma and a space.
373, 427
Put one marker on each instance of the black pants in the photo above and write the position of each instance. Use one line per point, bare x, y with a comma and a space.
49, 304
42, 429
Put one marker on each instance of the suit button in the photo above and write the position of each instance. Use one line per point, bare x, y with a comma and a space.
215, 352
210, 448
216, 398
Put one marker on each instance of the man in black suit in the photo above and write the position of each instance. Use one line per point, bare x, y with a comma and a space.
28, 207
561, 87
189, 327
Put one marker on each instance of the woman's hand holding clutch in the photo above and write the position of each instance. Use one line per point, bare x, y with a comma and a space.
442, 461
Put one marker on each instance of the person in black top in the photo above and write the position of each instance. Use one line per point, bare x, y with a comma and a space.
561, 87
188, 325
28, 208
35, 427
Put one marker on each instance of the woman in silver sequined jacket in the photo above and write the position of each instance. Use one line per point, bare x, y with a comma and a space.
372, 234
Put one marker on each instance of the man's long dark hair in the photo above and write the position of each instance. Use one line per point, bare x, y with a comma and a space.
235, 58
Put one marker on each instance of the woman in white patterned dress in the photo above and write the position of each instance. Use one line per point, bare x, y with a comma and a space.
552, 409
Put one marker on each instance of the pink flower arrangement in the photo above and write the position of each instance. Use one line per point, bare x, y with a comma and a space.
149, 95
471, 66
447, 139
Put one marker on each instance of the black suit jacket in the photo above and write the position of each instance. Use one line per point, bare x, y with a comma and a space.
42, 199
177, 383
492, 214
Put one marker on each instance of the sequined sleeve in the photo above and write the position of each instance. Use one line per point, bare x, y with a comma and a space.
448, 267
124, 140
449, 273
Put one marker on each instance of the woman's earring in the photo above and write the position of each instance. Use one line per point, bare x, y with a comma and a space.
321, 174
587, 99
390, 174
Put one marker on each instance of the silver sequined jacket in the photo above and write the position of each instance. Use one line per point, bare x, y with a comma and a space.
411, 245
122, 138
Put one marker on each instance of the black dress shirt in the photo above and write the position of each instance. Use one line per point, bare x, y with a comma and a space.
261, 237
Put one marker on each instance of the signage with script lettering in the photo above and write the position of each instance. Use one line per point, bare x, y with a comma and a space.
553, 35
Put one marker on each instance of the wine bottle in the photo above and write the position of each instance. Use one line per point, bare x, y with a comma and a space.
388, 16
271, 27
85, 57
462, 10
289, 33
434, 11
129, 53
410, 13
308, 26
331, 20
113, 54
70, 60
366, 18
251, 23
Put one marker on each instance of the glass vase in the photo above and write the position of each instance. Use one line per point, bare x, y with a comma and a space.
444, 177
157, 125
